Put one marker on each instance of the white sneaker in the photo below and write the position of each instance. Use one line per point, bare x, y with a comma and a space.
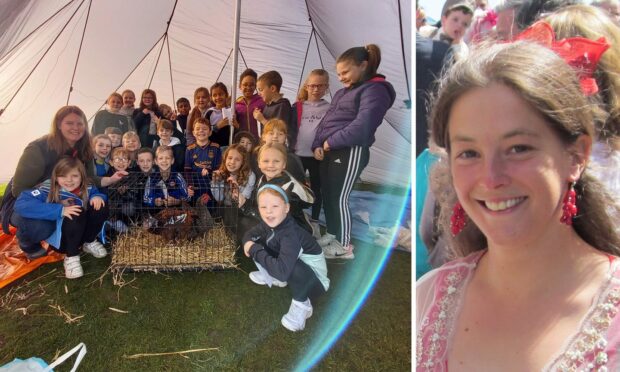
336, 250
295, 319
326, 239
258, 278
73, 267
95, 248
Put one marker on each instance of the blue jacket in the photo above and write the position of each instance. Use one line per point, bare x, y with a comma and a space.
355, 114
175, 186
32, 203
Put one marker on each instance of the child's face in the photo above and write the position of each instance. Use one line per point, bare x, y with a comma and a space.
247, 143
129, 99
349, 73
145, 162
115, 103
455, 24
265, 91
116, 139
316, 87
183, 108
272, 208
275, 136
103, 147
164, 134
248, 86
166, 112
201, 132
70, 181
219, 97
148, 100
120, 162
131, 143
201, 101
272, 163
234, 160
164, 160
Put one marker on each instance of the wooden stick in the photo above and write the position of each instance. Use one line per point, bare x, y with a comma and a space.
135, 356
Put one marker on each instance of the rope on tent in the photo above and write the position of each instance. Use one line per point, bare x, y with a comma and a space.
318, 50
303, 67
316, 39
41, 59
224, 66
77, 59
130, 73
402, 46
170, 65
165, 36
243, 58
35, 30
157, 61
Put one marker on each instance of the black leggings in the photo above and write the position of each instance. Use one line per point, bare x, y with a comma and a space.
339, 171
304, 283
81, 229
312, 165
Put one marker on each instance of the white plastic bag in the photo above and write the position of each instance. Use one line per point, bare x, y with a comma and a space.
35, 364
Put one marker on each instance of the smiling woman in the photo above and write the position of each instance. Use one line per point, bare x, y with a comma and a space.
68, 137
540, 262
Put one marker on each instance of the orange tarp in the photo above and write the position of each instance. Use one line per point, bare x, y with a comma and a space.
13, 262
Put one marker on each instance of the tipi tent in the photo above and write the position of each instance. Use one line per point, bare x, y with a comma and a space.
56, 52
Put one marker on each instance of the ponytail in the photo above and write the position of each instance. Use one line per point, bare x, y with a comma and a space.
370, 53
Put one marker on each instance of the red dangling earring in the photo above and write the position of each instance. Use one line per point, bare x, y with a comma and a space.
569, 205
458, 219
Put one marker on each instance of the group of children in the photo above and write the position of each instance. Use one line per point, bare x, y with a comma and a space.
266, 180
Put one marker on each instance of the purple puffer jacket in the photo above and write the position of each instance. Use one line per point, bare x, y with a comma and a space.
355, 114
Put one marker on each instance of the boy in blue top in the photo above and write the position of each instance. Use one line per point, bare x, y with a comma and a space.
166, 188
201, 159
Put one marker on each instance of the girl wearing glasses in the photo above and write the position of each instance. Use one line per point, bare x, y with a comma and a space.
306, 114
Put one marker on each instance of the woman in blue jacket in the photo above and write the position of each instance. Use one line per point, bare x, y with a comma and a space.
76, 207
344, 137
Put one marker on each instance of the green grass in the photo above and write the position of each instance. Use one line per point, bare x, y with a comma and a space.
182, 311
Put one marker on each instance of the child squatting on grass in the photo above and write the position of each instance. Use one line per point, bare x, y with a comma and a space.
286, 254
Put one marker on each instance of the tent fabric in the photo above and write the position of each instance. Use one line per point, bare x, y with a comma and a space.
124, 36
13, 262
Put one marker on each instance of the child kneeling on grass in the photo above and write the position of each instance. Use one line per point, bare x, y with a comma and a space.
286, 254
77, 209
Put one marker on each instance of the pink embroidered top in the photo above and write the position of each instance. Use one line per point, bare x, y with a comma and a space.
439, 293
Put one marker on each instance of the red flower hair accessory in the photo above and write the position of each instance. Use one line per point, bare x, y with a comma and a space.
581, 53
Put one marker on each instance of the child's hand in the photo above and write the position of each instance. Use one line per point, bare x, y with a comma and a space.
190, 191
204, 172
171, 201
70, 211
258, 115
118, 175
241, 200
146, 111
159, 202
97, 202
325, 146
217, 175
222, 123
173, 116
235, 123
319, 154
246, 248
